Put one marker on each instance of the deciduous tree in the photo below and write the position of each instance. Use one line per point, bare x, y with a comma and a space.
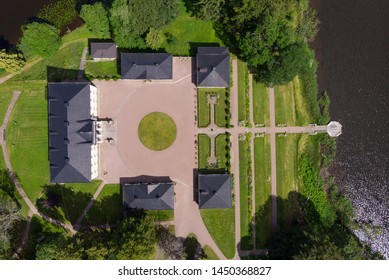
96, 19
39, 38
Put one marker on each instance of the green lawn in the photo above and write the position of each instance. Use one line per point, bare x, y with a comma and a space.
222, 116
262, 190
185, 30
107, 208
5, 99
285, 104
261, 112
209, 254
3, 72
203, 108
27, 139
2, 162
287, 176
242, 68
63, 65
157, 131
204, 150
221, 225
101, 69
221, 151
245, 199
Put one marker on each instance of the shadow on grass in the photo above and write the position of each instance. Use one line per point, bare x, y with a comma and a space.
106, 211
62, 203
55, 74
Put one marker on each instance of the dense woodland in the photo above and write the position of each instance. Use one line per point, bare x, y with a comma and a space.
273, 37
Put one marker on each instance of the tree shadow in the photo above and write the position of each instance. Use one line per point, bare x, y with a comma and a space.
55, 74
107, 211
70, 205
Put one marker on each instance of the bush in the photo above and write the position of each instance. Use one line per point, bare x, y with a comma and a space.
60, 13
12, 62
39, 39
96, 19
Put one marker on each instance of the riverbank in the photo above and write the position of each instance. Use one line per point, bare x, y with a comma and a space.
351, 50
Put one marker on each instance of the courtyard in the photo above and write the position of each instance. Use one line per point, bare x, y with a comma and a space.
127, 102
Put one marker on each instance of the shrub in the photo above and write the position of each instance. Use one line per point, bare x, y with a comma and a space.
60, 13
96, 19
39, 38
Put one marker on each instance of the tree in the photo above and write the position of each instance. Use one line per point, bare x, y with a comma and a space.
209, 9
9, 214
135, 238
172, 247
39, 38
308, 22
154, 38
12, 62
60, 13
132, 19
294, 60
96, 19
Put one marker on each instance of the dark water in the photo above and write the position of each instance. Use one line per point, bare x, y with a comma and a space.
14, 13
352, 48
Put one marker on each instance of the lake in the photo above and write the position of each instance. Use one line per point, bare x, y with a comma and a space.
352, 48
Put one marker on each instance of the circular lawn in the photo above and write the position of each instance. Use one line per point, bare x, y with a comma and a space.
157, 131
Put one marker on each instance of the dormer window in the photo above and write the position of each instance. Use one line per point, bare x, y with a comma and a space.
66, 140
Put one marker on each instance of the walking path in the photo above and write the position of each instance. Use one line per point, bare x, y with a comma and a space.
77, 225
82, 63
23, 195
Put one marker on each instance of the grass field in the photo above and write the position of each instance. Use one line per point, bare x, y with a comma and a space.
285, 104
221, 151
5, 99
157, 131
2, 162
262, 190
107, 208
242, 68
204, 150
185, 33
221, 225
27, 139
203, 108
245, 199
261, 112
209, 254
101, 69
287, 175
64, 65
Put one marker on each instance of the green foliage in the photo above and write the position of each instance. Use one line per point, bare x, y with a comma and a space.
131, 20
154, 38
60, 12
308, 22
8, 217
39, 38
312, 187
11, 62
96, 19
296, 59
208, 9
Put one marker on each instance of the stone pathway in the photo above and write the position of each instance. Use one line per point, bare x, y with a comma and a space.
77, 225
82, 63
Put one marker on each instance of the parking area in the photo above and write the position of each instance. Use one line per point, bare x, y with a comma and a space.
126, 102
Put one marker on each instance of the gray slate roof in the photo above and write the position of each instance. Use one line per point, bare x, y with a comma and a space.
150, 66
103, 50
213, 67
214, 191
156, 196
71, 132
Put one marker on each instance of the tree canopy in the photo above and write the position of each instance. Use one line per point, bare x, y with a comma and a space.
270, 35
40, 39
96, 19
12, 62
132, 19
